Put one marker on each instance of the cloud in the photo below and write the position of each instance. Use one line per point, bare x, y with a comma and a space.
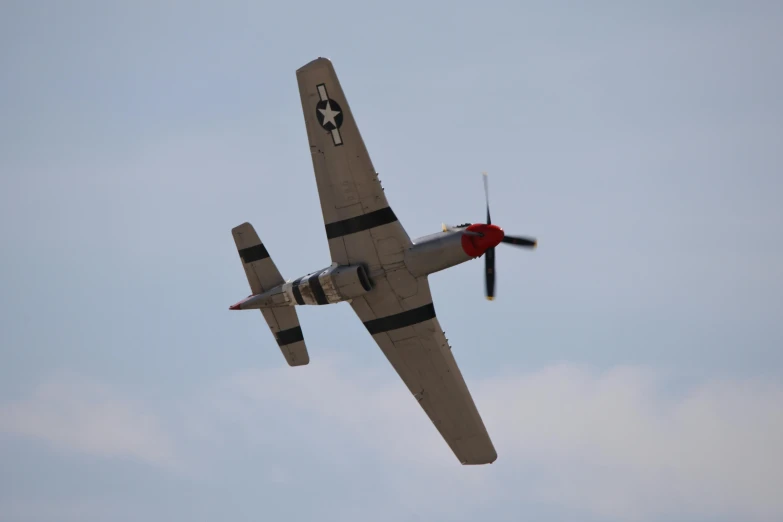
623, 444
618, 445
73, 413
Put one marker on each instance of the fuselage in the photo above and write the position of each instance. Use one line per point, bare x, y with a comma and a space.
337, 283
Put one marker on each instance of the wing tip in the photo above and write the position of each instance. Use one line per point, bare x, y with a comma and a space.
320, 61
299, 360
480, 462
296, 354
483, 454
241, 226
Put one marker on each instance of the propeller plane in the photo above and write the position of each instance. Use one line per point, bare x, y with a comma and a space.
376, 268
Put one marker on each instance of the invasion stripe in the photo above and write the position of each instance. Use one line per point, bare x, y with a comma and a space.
317, 289
253, 253
352, 225
290, 336
401, 320
297, 293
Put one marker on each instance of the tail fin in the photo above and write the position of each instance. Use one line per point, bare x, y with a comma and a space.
263, 275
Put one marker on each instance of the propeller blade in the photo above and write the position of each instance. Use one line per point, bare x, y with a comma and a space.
520, 241
486, 196
489, 272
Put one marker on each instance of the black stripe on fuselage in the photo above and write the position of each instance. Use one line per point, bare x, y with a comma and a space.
401, 320
352, 225
297, 293
290, 336
253, 253
315, 286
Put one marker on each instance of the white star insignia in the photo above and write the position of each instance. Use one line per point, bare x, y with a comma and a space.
329, 115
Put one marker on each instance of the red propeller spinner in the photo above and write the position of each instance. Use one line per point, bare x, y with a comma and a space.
481, 239
475, 246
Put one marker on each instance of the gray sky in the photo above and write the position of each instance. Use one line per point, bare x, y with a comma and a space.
630, 368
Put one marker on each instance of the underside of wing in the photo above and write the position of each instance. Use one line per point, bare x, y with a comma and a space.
360, 225
362, 229
410, 336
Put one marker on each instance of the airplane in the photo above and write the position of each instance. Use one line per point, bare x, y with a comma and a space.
376, 268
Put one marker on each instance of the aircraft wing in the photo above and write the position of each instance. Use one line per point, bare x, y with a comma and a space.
360, 225
362, 228
409, 334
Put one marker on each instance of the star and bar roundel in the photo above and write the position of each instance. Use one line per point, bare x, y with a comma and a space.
329, 114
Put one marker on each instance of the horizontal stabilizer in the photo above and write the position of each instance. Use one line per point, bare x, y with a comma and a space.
263, 275
284, 324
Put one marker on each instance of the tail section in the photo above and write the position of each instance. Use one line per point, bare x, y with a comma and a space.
263, 275
284, 324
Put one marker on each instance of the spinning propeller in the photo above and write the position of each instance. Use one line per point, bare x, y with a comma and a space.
486, 237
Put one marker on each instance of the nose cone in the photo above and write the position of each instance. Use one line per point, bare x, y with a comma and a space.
493, 235
475, 246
